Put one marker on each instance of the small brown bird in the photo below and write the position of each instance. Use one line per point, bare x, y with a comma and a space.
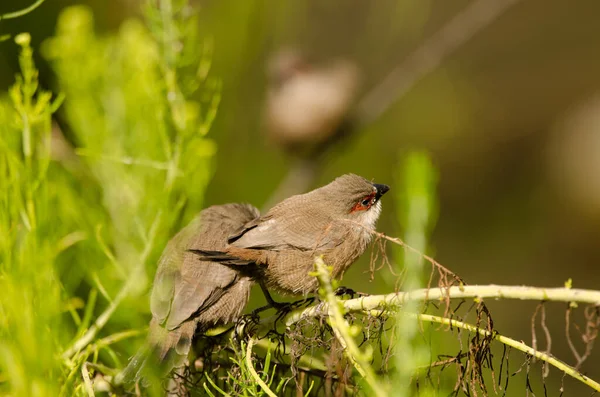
335, 221
190, 295
308, 103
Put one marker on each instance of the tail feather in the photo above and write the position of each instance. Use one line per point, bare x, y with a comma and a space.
133, 372
163, 351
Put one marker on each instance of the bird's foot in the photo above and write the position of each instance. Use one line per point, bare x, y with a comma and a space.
278, 306
341, 291
245, 325
309, 300
283, 308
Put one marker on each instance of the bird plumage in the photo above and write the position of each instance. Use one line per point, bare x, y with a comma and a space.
190, 295
283, 243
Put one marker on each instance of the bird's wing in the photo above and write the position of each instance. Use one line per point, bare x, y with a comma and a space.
168, 274
200, 286
184, 286
302, 231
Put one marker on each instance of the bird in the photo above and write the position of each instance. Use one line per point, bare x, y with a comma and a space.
190, 296
335, 221
308, 104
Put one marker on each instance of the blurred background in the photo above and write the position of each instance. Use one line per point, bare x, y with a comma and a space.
511, 119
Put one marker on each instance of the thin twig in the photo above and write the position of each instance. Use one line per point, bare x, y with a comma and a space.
131, 282
126, 160
253, 372
303, 362
20, 13
568, 335
567, 369
87, 382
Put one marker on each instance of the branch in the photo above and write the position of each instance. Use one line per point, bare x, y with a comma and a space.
457, 292
376, 303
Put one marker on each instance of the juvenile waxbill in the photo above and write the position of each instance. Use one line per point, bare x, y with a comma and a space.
308, 103
335, 221
190, 295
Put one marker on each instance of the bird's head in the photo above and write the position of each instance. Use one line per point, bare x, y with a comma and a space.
286, 65
354, 198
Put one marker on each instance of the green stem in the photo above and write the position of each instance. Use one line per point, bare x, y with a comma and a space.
87, 382
304, 361
253, 372
567, 369
342, 332
101, 321
457, 292
26, 10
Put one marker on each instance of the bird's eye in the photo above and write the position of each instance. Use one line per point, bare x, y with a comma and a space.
364, 204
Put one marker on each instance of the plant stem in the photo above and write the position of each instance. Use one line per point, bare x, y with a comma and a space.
87, 382
567, 369
457, 292
129, 284
342, 331
26, 10
307, 361
253, 372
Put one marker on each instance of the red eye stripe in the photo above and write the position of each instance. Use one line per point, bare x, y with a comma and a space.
361, 206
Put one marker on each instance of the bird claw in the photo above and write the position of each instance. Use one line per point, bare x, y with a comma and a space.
241, 326
341, 291
282, 308
278, 306
250, 318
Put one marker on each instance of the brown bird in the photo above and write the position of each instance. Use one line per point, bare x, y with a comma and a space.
190, 295
307, 104
335, 221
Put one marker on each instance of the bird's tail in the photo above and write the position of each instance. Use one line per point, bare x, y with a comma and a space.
163, 351
133, 372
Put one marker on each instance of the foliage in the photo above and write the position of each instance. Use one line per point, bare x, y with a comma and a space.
31, 240
88, 201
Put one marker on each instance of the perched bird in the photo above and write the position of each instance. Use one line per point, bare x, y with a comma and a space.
307, 104
335, 221
190, 295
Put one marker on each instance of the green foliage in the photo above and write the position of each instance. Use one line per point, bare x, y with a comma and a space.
31, 240
416, 203
85, 211
243, 382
